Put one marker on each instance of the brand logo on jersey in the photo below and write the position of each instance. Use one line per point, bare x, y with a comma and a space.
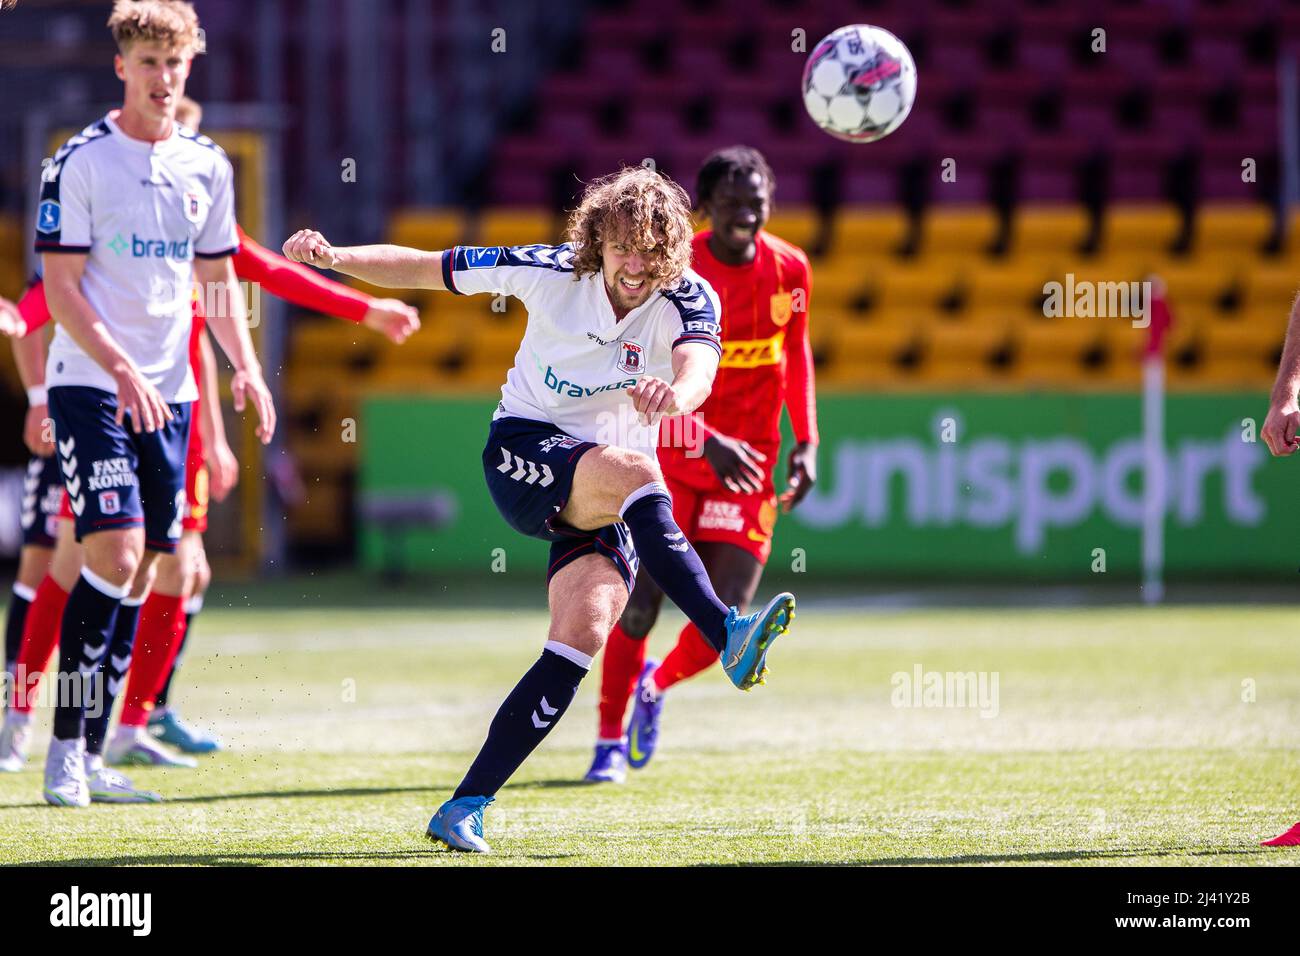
109, 502
192, 206
482, 258
49, 215
631, 358
753, 353
699, 325
574, 390
142, 248
782, 308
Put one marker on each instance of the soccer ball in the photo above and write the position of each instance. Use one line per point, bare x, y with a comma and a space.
859, 83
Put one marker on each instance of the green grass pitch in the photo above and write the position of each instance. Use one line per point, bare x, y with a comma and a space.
1122, 736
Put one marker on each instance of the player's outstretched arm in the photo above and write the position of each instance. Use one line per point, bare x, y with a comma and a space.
294, 282
71, 309
224, 306
393, 267
1279, 431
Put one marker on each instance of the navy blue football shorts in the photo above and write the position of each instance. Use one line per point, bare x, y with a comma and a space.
529, 467
114, 477
42, 494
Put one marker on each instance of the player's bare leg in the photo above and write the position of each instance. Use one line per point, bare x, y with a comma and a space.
620, 671
586, 598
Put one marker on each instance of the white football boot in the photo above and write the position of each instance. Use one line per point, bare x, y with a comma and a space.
135, 745
109, 786
15, 741
65, 773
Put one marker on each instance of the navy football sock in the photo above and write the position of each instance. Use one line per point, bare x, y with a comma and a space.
111, 673
536, 705
18, 605
672, 562
88, 623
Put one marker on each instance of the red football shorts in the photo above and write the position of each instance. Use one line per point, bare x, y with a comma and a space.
706, 510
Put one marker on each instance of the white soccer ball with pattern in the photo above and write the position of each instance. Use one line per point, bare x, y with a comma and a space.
859, 83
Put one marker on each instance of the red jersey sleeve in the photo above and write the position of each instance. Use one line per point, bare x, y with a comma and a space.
296, 283
33, 307
800, 393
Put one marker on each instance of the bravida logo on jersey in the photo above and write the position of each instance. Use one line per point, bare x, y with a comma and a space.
482, 258
631, 358
574, 390
142, 248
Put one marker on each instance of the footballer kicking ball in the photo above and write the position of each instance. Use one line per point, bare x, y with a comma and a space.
859, 83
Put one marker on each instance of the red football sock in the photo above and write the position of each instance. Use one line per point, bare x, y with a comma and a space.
624, 657
40, 640
1290, 838
690, 655
157, 639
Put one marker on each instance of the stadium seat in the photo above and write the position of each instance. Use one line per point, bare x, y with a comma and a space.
1140, 226
516, 227
1045, 230
866, 233
951, 231
1232, 228
797, 225
427, 228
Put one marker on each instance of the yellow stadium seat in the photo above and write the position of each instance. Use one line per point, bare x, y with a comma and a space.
1008, 286
1271, 287
427, 228
1232, 228
969, 342
795, 224
1196, 282
959, 230
332, 342
1256, 336
863, 342
1064, 338
1140, 226
861, 232
1048, 230
916, 286
518, 227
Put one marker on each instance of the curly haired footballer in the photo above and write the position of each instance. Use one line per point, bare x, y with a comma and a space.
639, 205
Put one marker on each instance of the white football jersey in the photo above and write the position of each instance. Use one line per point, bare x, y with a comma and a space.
141, 212
575, 359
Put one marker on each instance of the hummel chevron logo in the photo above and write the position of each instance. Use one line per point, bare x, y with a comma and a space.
528, 470
65, 447
546, 709
78, 505
69, 466
74, 486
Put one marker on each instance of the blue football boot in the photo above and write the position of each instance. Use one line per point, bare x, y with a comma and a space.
749, 637
609, 765
187, 738
643, 728
459, 824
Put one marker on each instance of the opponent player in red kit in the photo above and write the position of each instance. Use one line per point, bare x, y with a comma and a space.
162, 620
724, 497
